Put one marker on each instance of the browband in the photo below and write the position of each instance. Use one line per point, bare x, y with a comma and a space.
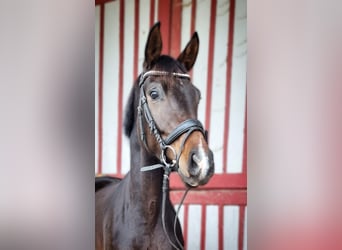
160, 73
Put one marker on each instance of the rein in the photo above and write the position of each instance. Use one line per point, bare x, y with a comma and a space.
186, 127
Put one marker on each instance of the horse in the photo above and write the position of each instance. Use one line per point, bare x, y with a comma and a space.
165, 135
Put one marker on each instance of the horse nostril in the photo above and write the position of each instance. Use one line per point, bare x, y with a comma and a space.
194, 168
196, 159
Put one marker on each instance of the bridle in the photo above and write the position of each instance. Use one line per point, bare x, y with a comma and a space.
186, 127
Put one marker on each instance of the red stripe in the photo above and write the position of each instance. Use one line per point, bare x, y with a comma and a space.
228, 83
218, 181
175, 35
98, 2
120, 91
220, 227
211, 197
100, 90
152, 12
210, 64
164, 16
241, 225
203, 226
185, 223
193, 16
136, 39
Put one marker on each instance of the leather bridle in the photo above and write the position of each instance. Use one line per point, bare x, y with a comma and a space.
186, 127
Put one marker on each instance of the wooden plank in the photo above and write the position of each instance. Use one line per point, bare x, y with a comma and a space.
164, 16
217, 197
228, 81
100, 89
136, 39
99, 2
218, 181
175, 35
210, 65
241, 226
120, 94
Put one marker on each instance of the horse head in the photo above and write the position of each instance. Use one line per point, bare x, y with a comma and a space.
167, 111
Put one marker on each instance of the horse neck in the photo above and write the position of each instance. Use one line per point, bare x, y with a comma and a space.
145, 187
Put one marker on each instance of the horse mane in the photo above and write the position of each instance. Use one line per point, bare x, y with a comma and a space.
130, 111
104, 181
164, 63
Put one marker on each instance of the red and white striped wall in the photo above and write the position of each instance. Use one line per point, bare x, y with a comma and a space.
214, 216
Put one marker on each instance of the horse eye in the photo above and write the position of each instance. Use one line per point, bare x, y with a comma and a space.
154, 94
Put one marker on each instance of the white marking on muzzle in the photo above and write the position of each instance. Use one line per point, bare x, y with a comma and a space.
201, 159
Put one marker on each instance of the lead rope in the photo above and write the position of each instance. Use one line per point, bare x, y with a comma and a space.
167, 171
177, 213
165, 190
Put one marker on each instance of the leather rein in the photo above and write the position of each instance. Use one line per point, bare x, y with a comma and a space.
186, 127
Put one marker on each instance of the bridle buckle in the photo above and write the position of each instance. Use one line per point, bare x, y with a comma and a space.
164, 157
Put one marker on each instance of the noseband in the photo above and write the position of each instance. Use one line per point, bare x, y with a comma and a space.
186, 127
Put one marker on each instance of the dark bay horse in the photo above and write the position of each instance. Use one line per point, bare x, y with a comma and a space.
161, 123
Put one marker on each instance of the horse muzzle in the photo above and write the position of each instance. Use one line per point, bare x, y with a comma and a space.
199, 168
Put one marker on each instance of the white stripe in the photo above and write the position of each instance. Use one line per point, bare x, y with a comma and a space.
219, 84
194, 227
127, 76
231, 227
238, 90
211, 242
200, 71
156, 2
110, 86
144, 29
97, 47
186, 23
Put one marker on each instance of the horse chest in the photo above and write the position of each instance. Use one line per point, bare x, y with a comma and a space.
128, 239
138, 233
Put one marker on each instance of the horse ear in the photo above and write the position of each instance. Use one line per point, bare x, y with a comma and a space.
153, 46
189, 54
